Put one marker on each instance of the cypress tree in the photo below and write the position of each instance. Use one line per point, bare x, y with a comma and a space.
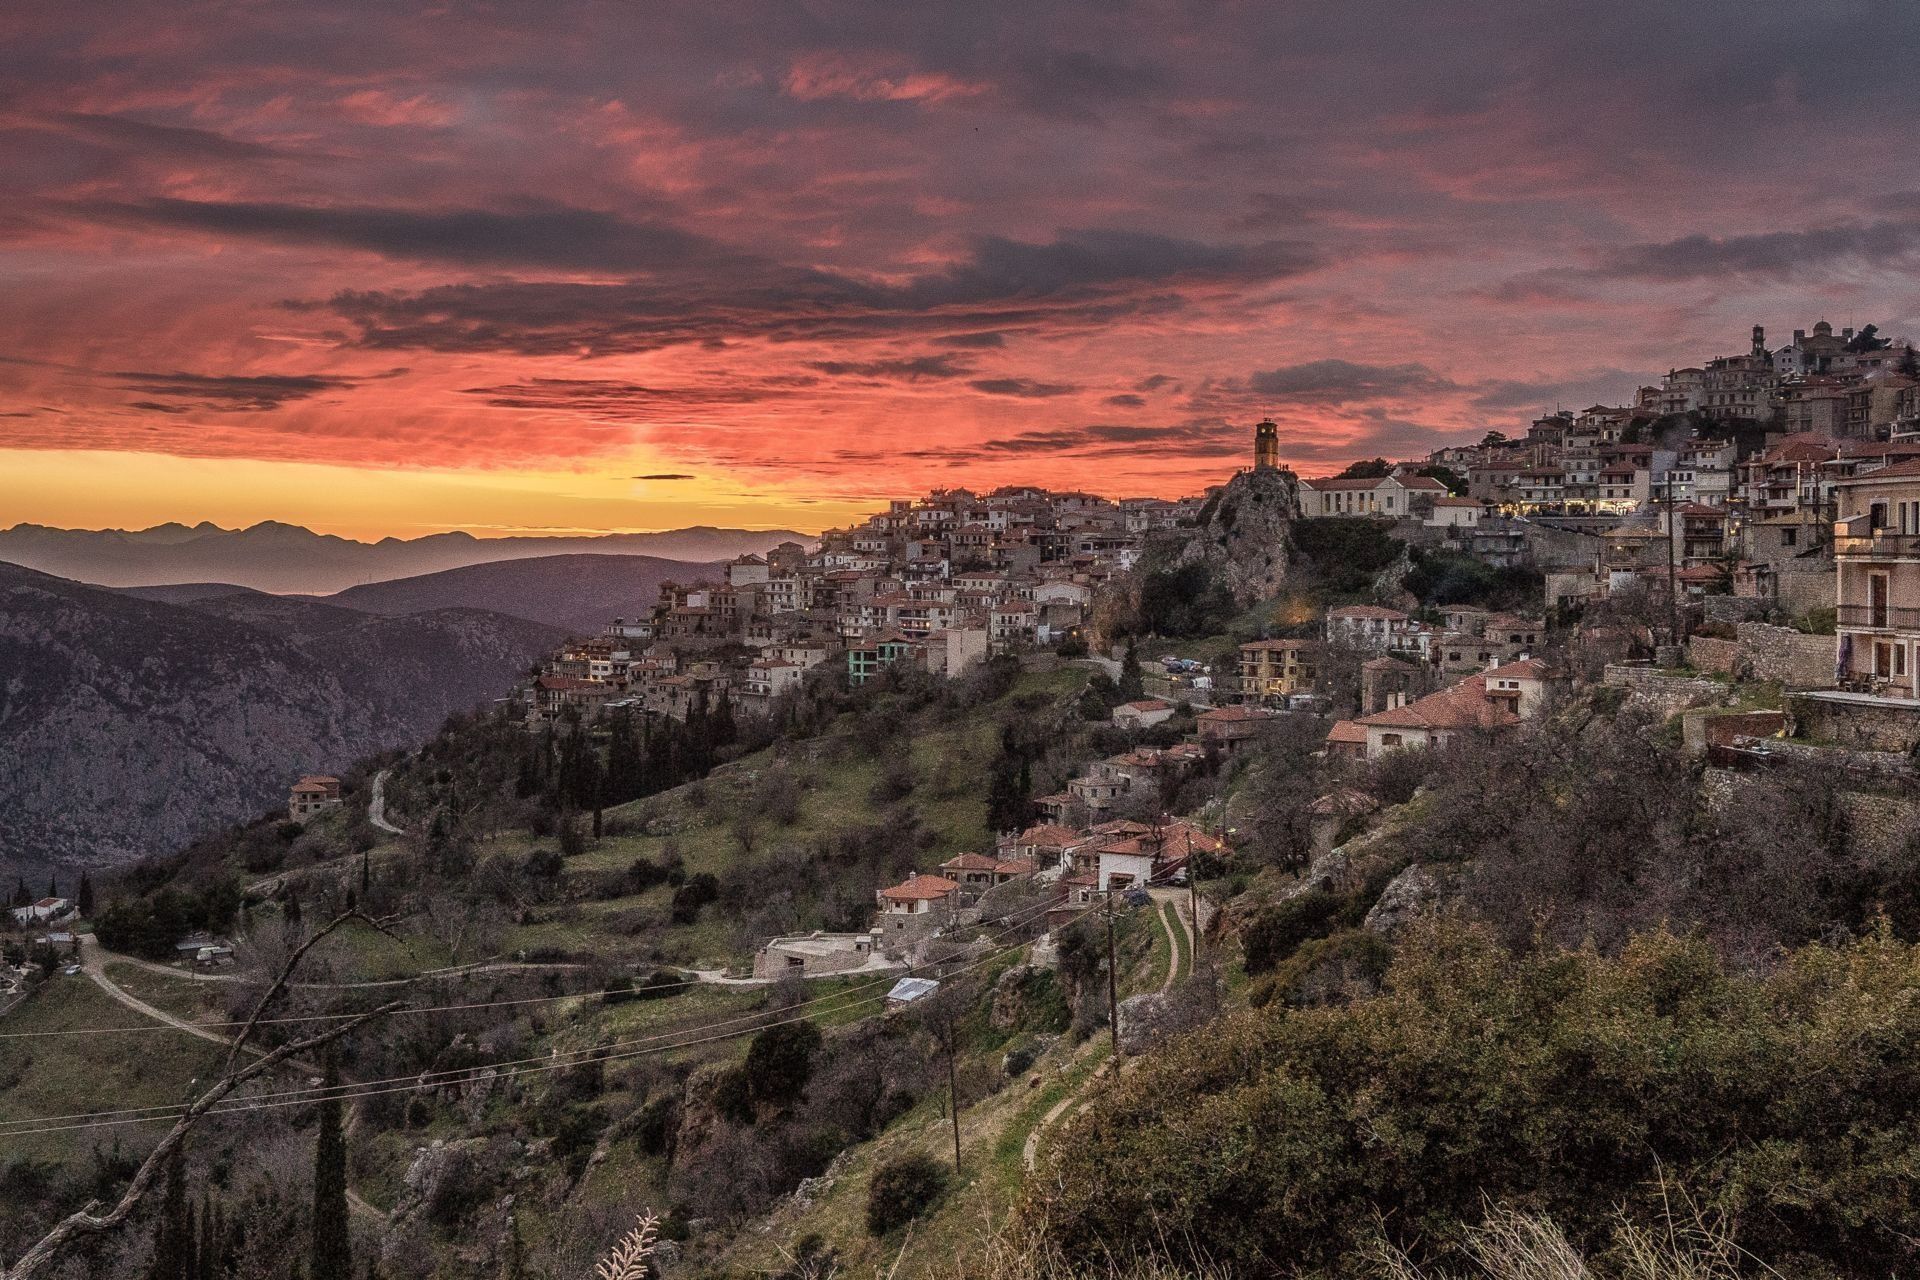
84, 899
173, 1234
1132, 683
332, 1249
21, 897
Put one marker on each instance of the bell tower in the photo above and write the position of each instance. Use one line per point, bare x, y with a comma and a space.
1266, 445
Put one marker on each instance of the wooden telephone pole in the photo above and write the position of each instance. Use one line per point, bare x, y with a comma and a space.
953, 1095
1673, 595
1113, 981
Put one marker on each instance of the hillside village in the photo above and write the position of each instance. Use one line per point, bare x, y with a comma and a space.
1039, 782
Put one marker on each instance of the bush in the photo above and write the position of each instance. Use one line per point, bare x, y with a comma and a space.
1278, 932
902, 1189
1781, 1102
696, 893
780, 1062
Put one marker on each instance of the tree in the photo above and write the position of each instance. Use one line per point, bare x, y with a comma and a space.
238, 1068
780, 1062
22, 896
332, 1247
1366, 469
1132, 683
173, 1233
84, 897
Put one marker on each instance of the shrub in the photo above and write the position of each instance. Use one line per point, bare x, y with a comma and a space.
1277, 932
1567, 1081
780, 1062
696, 893
902, 1189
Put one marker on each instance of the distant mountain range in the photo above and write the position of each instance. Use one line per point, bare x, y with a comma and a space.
129, 726
287, 558
581, 593
578, 593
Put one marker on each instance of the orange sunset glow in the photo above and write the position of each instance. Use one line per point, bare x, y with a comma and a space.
549, 268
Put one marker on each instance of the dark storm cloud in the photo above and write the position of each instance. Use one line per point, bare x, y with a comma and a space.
1127, 401
1021, 388
1078, 279
551, 237
1193, 439
1770, 254
898, 369
608, 398
149, 139
226, 392
1337, 381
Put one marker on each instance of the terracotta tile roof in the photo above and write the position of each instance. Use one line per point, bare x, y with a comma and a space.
969, 862
1895, 471
920, 889
1370, 611
1464, 706
1347, 731
1048, 835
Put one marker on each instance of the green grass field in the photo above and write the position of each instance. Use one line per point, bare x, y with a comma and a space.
64, 1075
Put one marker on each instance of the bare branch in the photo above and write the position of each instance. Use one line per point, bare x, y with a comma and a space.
90, 1220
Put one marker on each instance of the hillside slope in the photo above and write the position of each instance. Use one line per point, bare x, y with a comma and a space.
575, 592
129, 726
271, 556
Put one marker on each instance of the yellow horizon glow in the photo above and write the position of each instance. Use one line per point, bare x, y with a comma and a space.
100, 489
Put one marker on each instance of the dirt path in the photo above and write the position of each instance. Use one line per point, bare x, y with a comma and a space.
1168, 911
93, 962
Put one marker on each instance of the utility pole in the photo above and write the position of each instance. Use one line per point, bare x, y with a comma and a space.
1673, 597
1113, 982
1193, 903
953, 1095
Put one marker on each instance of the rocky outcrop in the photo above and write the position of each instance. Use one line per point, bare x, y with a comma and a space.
1245, 534
1407, 896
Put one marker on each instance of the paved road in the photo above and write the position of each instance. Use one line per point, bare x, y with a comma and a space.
377, 805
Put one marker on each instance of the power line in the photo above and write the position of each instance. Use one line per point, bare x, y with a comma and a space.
519, 1066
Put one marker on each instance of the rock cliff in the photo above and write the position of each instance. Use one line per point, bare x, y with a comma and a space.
1245, 534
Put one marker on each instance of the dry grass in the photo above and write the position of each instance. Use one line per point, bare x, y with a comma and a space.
1511, 1245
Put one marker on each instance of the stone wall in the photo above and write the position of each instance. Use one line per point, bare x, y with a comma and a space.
1732, 608
1800, 589
1710, 653
1860, 722
1879, 823
1661, 691
1796, 660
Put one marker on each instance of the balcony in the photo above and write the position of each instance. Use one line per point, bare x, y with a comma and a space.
1878, 617
1881, 544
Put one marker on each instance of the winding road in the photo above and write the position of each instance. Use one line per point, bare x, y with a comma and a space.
377, 805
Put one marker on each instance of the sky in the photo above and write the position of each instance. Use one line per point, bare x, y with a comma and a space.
392, 268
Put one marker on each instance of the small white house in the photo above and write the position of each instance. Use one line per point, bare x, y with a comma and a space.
1143, 713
